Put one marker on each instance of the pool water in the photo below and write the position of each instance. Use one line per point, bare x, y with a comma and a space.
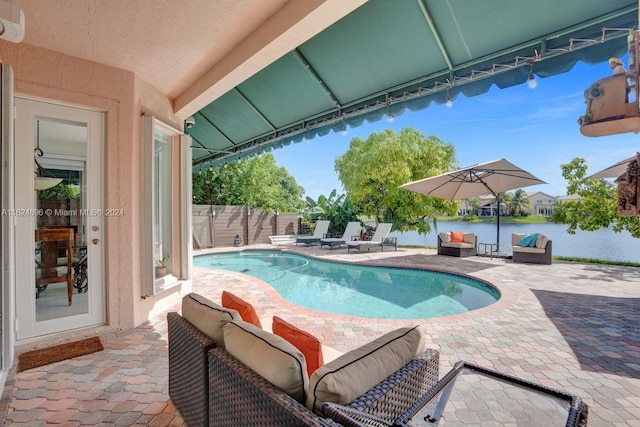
357, 290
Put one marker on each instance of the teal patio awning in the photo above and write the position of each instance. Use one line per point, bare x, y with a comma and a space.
390, 56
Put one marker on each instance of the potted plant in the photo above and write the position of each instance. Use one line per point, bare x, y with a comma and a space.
161, 267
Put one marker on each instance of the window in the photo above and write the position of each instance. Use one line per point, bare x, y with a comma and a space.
166, 213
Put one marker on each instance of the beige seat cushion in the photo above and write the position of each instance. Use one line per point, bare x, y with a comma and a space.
463, 245
207, 316
469, 238
269, 355
355, 372
528, 250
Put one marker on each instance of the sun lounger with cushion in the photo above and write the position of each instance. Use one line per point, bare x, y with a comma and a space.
319, 232
352, 230
379, 238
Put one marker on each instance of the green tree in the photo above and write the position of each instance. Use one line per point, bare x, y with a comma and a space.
474, 207
597, 206
257, 182
372, 169
518, 203
337, 209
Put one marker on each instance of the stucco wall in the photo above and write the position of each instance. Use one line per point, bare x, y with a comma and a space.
46, 74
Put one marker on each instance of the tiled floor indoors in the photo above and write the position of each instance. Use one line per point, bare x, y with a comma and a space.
570, 326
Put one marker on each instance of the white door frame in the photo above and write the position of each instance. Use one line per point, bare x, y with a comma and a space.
26, 111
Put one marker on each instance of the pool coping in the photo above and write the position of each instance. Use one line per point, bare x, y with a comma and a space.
507, 295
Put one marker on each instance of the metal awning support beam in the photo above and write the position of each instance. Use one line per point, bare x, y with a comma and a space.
436, 34
307, 66
254, 109
200, 115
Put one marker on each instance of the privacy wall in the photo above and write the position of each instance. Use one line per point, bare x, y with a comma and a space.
217, 226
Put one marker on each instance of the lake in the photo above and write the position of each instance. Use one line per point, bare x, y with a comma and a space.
602, 244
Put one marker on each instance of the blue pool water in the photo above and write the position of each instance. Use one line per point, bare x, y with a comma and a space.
357, 290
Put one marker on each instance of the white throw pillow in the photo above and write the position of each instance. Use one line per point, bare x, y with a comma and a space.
207, 316
270, 356
445, 237
355, 372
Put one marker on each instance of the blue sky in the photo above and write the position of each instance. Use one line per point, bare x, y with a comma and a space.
535, 129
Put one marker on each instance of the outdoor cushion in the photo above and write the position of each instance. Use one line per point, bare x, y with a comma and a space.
527, 240
355, 372
246, 310
469, 238
528, 250
269, 355
457, 245
309, 345
444, 237
541, 242
457, 236
207, 316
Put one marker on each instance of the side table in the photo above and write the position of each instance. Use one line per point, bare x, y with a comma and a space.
470, 394
488, 245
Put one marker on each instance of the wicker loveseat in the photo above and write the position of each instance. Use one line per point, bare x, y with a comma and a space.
539, 253
211, 387
468, 246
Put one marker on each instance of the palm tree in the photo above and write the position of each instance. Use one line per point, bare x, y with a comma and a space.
519, 202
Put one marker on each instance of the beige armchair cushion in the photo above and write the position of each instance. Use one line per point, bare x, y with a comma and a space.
541, 243
469, 238
208, 316
355, 372
271, 356
445, 237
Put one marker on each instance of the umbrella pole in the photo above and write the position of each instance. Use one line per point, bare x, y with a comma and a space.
498, 222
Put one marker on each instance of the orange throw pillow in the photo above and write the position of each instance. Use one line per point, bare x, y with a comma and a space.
246, 310
305, 342
457, 236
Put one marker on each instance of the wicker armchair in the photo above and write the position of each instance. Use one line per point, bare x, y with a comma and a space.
210, 387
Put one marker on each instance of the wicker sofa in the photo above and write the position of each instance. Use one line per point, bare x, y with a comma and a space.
468, 247
211, 387
539, 254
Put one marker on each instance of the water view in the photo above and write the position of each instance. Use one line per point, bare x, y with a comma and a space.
602, 244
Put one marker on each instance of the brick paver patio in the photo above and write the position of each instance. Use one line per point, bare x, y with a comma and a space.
569, 326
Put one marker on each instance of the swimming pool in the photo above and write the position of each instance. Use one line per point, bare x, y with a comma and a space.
357, 290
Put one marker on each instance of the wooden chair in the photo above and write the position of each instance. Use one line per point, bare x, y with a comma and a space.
50, 272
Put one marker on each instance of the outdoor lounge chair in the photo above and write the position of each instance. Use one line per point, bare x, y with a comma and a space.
379, 238
318, 233
352, 230
539, 252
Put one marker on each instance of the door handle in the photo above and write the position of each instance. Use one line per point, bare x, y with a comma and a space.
95, 241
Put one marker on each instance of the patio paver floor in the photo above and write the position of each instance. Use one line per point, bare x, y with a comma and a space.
570, 326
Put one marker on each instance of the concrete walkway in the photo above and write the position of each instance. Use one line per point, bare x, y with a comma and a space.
569, 326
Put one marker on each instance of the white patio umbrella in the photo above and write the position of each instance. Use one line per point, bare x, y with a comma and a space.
492, 177
613, 171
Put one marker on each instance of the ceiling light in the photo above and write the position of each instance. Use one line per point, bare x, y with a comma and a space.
449, 102
42, 182
532, 78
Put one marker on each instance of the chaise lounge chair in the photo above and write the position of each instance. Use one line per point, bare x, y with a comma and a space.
318, 233
379, 238
352, 229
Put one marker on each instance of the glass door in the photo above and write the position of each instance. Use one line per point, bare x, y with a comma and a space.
59, 218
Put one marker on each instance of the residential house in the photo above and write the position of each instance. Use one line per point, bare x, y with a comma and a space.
118, 99
541, 204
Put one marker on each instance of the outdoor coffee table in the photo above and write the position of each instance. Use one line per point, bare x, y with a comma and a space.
469, 394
